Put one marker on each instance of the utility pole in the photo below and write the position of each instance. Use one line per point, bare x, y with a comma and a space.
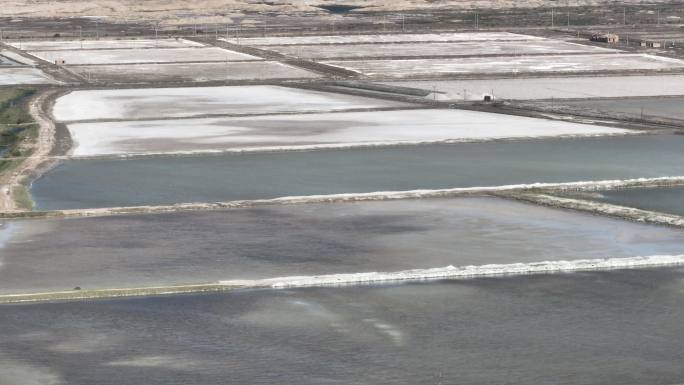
568, 19
403, 23
624, 16
477, 21
658, 16
553, 11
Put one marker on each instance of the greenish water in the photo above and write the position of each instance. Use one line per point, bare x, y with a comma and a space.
165, 180
620, 327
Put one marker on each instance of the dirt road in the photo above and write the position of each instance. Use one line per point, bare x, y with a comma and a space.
38, 160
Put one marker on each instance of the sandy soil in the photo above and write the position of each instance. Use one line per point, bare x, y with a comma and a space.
209, 9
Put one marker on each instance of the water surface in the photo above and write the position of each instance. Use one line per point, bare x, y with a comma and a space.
196, 247
574, 329
663, 199
165, 180
663, 107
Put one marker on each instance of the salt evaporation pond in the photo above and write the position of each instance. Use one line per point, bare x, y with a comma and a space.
664, 107
164, 180
663, 199
312, 239
620, 327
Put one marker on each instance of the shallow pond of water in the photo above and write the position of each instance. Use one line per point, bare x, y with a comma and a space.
165, 180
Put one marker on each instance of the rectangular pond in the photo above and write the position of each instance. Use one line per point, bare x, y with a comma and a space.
332, 51
146, 55
384, 38
45, 45
621, 327
663, 199
665, 107
191, 72
311, 239
509, 65
23, 75
164, 180
149, 103
312, 131
576, 87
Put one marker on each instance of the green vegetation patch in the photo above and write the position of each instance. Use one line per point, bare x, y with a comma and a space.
16, 124
23, 198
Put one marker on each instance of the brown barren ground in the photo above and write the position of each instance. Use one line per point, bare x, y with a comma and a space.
208, 9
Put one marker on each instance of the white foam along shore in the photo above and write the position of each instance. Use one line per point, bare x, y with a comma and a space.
602, 208
315, 131
452, 272
442, 273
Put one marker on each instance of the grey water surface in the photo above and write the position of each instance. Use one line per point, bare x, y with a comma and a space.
276, 241
619, 327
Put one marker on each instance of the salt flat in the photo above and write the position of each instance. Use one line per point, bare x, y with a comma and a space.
469, 48
329, 130
103, 44
560, 87
147, 55
23, 75
141, 103
170, 72
15, 57
311, 239
6, 61
509, 65
382, 38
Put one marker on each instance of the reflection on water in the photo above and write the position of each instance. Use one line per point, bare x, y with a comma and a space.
277, 241
589, 328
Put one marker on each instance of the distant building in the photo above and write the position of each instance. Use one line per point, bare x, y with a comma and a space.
650, 44
605, 38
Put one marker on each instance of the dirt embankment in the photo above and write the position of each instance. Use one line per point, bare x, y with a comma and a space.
15, 180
